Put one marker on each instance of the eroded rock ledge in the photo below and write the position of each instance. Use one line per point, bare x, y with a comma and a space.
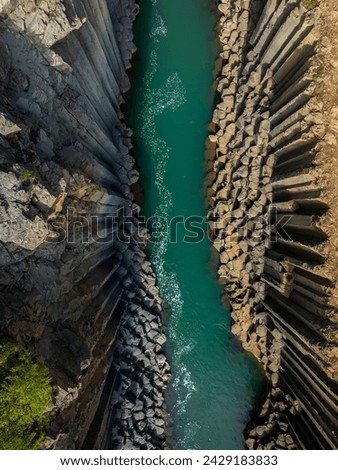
267, 215
75, 285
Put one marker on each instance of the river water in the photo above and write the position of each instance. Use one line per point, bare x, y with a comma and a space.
214, 382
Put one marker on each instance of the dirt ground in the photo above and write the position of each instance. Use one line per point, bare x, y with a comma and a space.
325, 69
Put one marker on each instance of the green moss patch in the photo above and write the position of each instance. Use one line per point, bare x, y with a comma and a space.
27, 174
310, 4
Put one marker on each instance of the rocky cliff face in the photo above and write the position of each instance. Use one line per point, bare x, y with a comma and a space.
75, 285
272, 210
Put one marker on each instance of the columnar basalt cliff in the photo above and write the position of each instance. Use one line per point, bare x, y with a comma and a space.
270, 212
76, 287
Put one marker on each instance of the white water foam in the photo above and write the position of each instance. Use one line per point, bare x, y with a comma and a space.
170, 96
160, 28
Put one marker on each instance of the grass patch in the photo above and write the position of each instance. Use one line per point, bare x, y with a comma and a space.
27, 174
25, 396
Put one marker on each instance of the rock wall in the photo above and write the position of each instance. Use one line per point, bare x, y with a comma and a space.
268, 204
75, 284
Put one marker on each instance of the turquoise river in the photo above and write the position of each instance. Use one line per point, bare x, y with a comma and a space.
214, 383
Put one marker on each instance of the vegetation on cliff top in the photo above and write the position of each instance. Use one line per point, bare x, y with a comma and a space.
25, 395
310, 4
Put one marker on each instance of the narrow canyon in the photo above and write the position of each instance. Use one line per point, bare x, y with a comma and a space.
112, 113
